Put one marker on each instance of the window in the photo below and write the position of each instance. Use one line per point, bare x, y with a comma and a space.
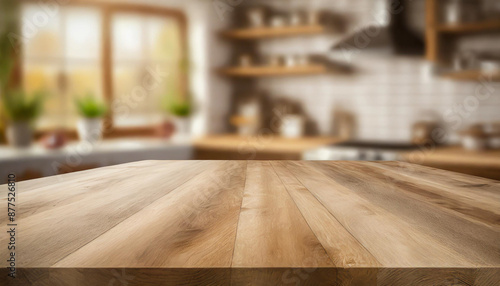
63, 57
143, 45
66, 56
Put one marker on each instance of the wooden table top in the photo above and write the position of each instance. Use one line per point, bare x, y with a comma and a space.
257, 223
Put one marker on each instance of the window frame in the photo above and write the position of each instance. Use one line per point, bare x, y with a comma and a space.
108, 10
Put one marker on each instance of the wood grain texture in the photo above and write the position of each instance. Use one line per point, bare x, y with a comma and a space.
104, 206
257, 223
426, 208
398, 243
271, 231
186, 225
341, 246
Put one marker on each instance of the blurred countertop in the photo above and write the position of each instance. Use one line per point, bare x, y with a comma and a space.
227, 146
456, 155
36, 161
455, 158
276, 144
122, 145
265, 144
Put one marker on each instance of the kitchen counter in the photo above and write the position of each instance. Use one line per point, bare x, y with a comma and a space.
257, 223
269, 147
36, 161
454, 158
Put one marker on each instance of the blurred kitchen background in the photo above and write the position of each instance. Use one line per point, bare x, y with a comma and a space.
91, 83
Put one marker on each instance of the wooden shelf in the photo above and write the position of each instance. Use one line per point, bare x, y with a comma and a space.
259, 71
470, 27
270, 32
470, 75
237, 120
434, 32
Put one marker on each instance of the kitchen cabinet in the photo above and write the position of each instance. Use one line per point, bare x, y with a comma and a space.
258, 223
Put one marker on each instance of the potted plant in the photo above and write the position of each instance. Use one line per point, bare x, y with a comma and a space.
21, 110
92, 111
180, 110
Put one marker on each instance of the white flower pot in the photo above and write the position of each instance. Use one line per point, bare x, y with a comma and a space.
182, 127
292, 126
20, 134
90, 129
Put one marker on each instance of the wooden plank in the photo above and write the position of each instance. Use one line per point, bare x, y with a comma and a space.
269, 32
480, 26
180, 230
304, 276
271, 230
473, 202
478, 245
37, 196
52, 234
119, 276
478, 192
426, 277
487, 276
344, 250
107, 68
54, 181
431, 35
471, 75
397, 243
257, 71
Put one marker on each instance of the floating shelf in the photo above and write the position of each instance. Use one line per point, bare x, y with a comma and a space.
470, 27
470, 75
435, 31
261, 71
271, 32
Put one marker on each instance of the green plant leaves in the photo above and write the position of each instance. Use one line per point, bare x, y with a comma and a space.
20, 107
176, 107
90, 107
